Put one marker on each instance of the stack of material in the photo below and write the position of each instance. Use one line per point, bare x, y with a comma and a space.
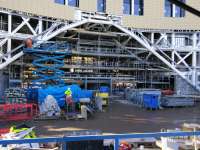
148, 98
15, 96
177, 101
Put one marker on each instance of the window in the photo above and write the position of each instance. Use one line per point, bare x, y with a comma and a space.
171, 10
101, 5
179, 12
127, 6
60, 1
168, 9
138, 7
73, 3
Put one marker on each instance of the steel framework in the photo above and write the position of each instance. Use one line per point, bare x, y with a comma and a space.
170, 48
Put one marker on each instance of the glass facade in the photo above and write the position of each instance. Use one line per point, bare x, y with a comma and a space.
168, 9
138, 7
127, 6
171, 10
135, 7
101, 5
179, 12
60, 1
73, 3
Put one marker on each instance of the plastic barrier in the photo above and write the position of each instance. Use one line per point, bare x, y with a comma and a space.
115, 137
15, 112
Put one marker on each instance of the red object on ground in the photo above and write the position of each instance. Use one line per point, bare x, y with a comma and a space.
15, 112
124, 146
167, 92
4, 131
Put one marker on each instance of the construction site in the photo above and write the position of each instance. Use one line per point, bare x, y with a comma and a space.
100, 74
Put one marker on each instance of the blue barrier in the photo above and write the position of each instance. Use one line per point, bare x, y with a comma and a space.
115, 137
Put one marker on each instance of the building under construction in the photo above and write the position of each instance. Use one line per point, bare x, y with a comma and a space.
119, 43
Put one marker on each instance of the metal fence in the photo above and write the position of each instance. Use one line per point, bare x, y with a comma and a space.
115, 137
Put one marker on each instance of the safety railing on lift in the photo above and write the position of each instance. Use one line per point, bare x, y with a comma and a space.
115, 137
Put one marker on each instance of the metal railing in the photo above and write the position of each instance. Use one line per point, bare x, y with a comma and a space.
115, 137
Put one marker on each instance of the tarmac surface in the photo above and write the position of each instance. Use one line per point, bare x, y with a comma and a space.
121, 117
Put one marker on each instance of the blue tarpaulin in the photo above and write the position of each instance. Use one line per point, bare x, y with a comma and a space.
59, 93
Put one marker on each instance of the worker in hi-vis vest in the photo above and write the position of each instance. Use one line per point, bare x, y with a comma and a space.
69, 101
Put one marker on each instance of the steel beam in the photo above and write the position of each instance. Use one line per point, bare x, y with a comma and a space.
58, 28
152, 49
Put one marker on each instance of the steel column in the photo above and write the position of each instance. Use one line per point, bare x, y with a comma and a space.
40, 24
194, 58
9, 32
152, 38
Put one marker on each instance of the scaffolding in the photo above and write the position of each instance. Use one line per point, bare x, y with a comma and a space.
102, 49
119, 67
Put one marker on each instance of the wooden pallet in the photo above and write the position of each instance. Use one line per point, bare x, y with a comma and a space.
48, 118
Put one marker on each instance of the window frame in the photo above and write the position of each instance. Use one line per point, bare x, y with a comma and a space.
168, 5
101, 9
181, 12
76, 3
140, 6
58, 2
130, 7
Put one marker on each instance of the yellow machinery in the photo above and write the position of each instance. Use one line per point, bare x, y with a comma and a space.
105, 98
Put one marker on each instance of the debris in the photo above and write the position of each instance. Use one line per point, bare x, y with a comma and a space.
20, 132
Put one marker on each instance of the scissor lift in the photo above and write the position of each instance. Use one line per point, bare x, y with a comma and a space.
48, 61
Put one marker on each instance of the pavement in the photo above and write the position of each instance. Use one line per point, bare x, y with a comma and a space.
120, 117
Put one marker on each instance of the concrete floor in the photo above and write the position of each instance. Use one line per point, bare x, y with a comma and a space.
122, 118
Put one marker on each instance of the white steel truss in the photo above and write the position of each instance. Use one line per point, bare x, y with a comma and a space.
38, 34
169, 52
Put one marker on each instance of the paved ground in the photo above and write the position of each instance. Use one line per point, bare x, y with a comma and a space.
122, 118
